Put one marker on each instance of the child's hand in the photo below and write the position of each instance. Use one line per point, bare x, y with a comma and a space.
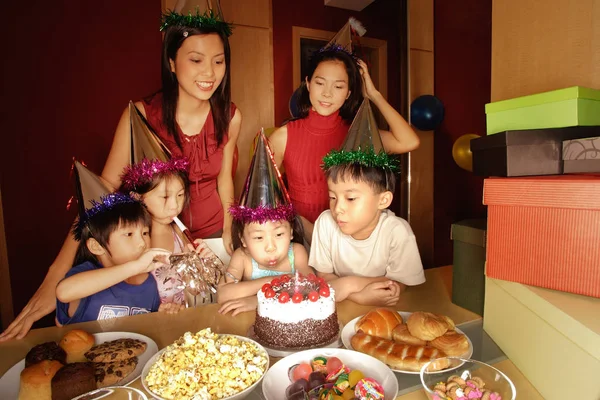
171, 308
369, 89
152, 259
385, 293
201, 249
239, 305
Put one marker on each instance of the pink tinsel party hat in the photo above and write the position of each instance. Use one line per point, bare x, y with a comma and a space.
149, 155
265, 197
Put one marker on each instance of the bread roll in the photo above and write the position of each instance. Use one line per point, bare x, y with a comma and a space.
452, 343
75, 343
379, 322
399, 355
402, 335
427, 326
35, 382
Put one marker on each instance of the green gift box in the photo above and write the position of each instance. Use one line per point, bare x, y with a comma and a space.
574, 106
468, 278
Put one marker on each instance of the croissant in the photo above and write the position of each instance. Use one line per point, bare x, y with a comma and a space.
428, 326
402, 335
379, 322
399, 355
452, 343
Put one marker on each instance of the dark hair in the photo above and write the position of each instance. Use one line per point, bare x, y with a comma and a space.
156, 179
237, 231
220, 100
101, 225
380, 179
352, 103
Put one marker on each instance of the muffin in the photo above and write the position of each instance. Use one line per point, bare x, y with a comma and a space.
75, 343
35, 381
45, 351
72, 380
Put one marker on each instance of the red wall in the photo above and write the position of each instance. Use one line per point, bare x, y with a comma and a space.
381, 19
69, 69
462, 73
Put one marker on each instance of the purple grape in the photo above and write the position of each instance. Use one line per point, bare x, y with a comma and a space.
316, 379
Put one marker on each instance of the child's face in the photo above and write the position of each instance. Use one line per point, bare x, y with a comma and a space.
355, 206
328, 88
200, 65
127, 243
268, 243
166, 200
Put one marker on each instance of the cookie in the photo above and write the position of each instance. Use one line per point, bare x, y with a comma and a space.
116, 350
111, 373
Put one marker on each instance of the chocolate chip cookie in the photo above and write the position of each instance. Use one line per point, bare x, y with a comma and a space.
111, 373
116, 350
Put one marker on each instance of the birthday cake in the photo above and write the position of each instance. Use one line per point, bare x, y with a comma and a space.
296, 312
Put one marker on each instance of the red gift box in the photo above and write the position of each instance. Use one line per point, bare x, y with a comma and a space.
545, 231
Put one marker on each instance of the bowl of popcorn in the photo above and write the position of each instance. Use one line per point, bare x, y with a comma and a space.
206, 366
471, 380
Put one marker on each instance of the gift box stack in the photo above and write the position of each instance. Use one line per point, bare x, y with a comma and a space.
542, 295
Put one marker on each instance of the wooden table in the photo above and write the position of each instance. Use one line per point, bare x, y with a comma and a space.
433, 296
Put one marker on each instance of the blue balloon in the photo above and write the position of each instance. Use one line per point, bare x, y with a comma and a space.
426, 112
294, 111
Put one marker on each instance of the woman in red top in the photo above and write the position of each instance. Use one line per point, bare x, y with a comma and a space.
198, 120
327, 105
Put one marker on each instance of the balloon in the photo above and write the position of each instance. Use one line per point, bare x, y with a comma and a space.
294, 111
426, 112
461, 151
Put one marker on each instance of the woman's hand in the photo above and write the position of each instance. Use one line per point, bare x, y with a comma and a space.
369, 89
41, 304
227, 242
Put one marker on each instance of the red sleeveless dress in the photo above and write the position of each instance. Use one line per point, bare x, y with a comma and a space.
308, 140
204, 214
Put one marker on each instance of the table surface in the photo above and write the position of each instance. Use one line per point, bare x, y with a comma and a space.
164, 329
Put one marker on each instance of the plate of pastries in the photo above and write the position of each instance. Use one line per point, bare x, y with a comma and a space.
406, 341
78, 363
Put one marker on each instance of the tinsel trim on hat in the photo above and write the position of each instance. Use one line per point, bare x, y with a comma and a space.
338, 48
368, 158
206, 20
106, 203
144, 171
262, 214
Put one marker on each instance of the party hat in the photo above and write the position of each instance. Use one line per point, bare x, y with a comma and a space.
343, 39
93, 197
264, 197
204, 17
363, 143
144, 142
149, 155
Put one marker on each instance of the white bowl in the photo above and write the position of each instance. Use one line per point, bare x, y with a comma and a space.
276, 379
117, 391
238, 396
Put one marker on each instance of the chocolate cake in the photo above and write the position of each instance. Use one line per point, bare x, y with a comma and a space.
72, 380
296, 312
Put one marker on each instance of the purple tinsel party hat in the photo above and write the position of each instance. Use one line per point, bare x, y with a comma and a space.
265, 197
93, 197
149, 155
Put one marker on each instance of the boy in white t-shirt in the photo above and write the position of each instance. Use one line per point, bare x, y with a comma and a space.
365, 252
